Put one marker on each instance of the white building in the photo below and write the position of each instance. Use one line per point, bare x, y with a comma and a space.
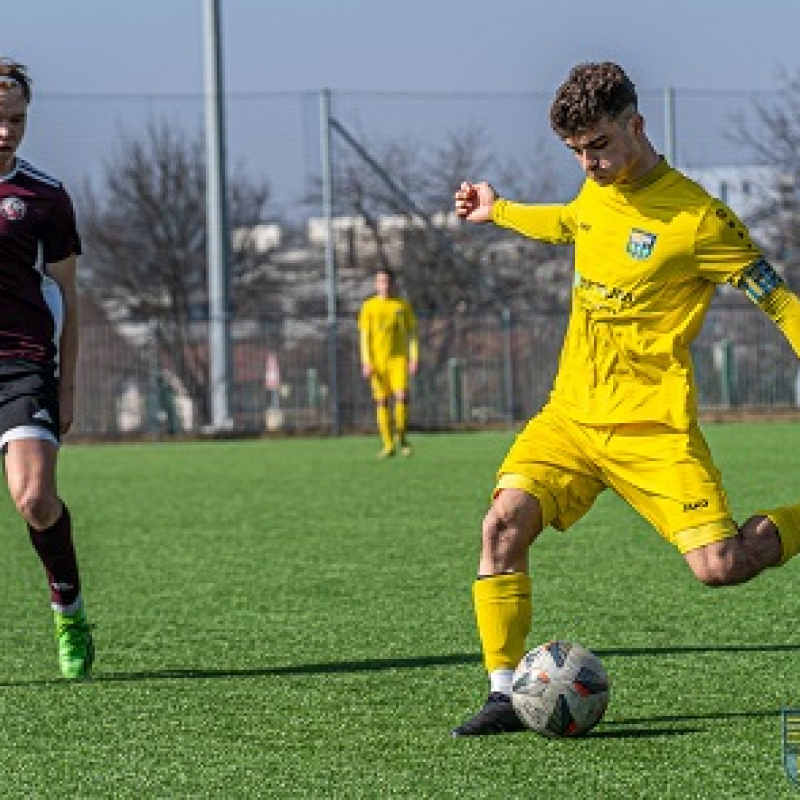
744, 190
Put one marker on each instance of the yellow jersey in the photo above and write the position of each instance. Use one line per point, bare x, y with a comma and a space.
388, 330
648, 256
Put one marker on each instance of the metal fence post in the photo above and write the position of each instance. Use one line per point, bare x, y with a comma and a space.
508, 366
330, 258
455, 378
725, 362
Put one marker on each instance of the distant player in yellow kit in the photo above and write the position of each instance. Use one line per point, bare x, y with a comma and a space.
389, 354
650, 248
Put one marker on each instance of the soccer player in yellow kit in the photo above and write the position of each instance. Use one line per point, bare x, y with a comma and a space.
650, 248
389, 354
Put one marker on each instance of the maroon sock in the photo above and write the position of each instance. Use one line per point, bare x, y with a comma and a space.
57, 554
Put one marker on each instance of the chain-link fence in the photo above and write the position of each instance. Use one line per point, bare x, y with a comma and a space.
475, 371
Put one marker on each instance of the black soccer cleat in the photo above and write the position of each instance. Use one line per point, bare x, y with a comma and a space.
496, 716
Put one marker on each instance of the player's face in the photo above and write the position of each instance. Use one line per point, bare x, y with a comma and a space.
612, 151
13, 114
383, 284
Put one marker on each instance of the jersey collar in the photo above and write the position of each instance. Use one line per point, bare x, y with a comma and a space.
648, 179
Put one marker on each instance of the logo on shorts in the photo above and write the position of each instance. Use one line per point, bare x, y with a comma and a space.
696, 505
12, 208
641, 244
43, 415
791, 744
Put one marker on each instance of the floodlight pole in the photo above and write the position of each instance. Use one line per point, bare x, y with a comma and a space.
669, 125
330, 257
216, 225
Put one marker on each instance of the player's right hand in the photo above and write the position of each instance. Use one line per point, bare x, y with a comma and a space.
474, 201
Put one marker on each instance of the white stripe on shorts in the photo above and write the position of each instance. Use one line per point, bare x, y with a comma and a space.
27, 432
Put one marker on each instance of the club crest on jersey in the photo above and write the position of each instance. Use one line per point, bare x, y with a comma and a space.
641, 244
12, 208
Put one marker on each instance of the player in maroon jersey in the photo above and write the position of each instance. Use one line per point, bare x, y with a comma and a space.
39, 249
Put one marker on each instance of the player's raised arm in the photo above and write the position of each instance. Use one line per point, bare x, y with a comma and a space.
722, 239
474, 201
479, 202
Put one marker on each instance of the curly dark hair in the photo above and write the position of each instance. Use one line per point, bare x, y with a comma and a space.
590, 93
12, 72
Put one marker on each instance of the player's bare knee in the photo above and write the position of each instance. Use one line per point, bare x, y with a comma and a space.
38, 509
714, 574
716, 565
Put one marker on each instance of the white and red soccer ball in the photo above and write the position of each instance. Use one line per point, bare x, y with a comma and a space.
560, 689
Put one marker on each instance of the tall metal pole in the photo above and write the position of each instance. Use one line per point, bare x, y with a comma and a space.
669, 125
330, 256
217, 235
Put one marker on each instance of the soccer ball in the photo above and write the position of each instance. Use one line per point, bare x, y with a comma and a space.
560, 689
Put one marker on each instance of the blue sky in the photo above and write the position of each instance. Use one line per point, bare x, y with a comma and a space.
100, 66
156, 46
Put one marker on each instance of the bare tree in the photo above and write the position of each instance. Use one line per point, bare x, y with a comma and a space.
771, 134
445, 265
773, 139
144, 233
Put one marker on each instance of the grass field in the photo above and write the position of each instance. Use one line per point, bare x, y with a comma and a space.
292, 619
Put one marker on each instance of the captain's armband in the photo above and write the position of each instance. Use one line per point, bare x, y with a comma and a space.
759, 280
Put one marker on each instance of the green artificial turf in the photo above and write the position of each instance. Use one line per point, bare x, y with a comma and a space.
292, 619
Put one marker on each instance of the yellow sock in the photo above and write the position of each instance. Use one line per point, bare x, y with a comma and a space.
503, 612
787, 519
400, 418
385, 426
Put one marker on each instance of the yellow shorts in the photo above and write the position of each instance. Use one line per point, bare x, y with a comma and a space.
668, 476
390, 378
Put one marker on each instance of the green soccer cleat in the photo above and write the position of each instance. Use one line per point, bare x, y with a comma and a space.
75, 644
386, 452
405, 448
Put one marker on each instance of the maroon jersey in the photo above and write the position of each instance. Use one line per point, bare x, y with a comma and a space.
37, 227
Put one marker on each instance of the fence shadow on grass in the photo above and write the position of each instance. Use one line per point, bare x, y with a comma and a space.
639, 733
421, 662
643, 727
690, 649
323, 668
